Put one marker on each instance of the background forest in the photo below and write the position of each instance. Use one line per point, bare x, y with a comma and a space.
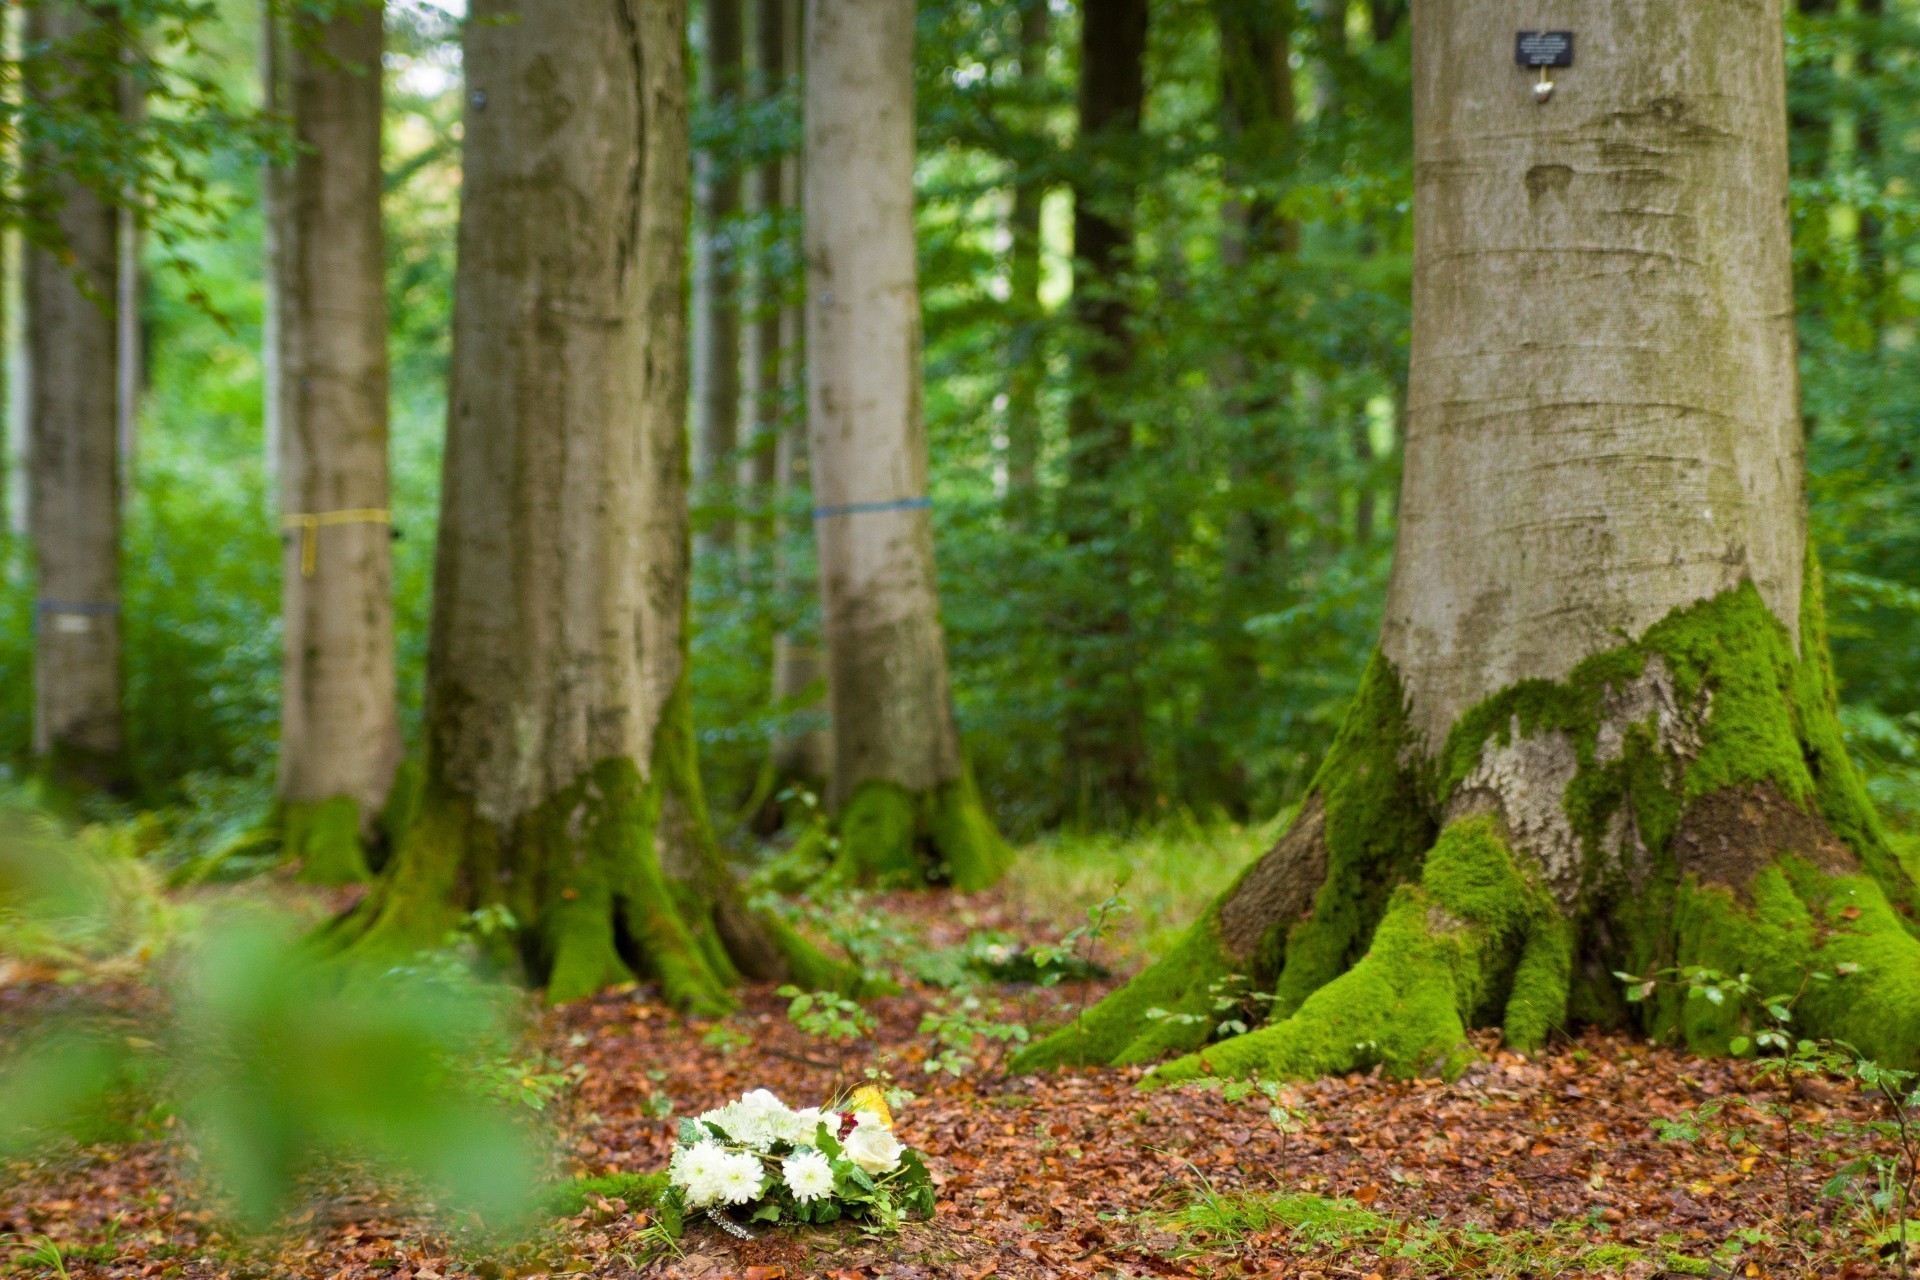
1240, 539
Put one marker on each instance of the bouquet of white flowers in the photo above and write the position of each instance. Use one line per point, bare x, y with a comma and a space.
766, 1162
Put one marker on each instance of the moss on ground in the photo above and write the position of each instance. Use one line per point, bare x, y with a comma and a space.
323, 836
891, 836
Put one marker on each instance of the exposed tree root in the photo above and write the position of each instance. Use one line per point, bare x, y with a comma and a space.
1684, 800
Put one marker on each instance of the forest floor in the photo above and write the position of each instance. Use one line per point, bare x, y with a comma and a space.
1549, 1165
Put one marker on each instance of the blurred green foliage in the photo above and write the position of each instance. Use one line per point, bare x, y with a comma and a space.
275, 1059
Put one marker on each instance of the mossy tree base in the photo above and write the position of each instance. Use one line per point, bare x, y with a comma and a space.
890, 836
323, 837
1681, 800
590, 902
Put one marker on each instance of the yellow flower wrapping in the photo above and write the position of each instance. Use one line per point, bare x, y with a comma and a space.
869, 1098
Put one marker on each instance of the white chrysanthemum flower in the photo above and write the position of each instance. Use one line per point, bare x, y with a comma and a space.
872, 1146
799, 1128
739, 1178
809, 1175
756, 1119
697, 1170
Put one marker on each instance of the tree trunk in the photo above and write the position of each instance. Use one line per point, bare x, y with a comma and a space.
762, 393
806, 755
1600, 731
559, 777
1026, 361
73, 502
716, 278
1104, 734
904, 797
339, 726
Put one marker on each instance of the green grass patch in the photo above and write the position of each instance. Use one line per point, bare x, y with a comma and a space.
1214, 1221
1168, 874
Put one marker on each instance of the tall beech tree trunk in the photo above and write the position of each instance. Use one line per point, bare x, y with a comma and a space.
73, 480
1026, 359
1600, 730
716, 276
806, 755
339, 727
762, 396
906, 802
559, 776
1104, 735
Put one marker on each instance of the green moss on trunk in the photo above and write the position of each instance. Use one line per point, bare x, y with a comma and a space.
1715, 820
1435, 968
892, 836
324, 837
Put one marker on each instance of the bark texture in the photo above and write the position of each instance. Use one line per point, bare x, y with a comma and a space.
339, 727
73, 480
559, 776
763, 399
897, 757
716, 274
1600, 733
1026, 360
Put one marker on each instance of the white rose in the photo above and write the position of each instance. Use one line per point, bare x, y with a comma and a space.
873, 1148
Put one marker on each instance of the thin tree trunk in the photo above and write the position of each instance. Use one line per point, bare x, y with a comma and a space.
339, 723
900, 783
1104, 735
716, 277
560, 779
1868, 136
274, 196
761, 392
1600, 731
129, 355
73, 503
1026, 361
805, 756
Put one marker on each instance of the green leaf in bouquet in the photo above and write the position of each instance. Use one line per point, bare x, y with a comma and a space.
768, 1212
692, 1132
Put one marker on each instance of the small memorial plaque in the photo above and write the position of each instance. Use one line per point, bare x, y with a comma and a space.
1543, 48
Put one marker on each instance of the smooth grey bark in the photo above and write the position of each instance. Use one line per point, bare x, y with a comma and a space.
73, 501
887, 662
541, 567
716, 273
798, 667
762, 393
1026, 362
1602, 417
339, 723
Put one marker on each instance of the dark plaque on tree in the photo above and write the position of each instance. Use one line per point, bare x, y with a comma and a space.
1543, 48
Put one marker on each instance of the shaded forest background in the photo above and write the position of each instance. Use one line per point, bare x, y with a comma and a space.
1241, 537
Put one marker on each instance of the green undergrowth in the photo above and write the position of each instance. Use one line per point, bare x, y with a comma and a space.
1167, 874
1311, 1224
